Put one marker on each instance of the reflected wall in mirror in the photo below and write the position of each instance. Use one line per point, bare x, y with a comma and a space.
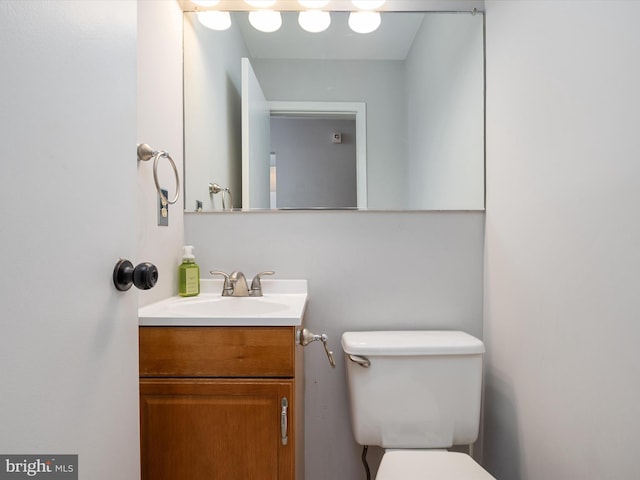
420, 77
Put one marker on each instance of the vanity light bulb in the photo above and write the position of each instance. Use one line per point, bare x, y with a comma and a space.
206, 3
314, 21
364, 22
266, 21
215, 20
261, 3
368, 4
313, 3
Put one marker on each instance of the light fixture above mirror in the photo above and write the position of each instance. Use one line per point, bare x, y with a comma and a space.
368, 4
314, 21
215, 20
260, 3
313, 3
364, 17
267, 21
364, 22
206, 3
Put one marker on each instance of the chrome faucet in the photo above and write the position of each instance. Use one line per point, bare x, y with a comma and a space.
235, 285
238, 284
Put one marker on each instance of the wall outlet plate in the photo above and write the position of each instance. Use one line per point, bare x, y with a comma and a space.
163, 209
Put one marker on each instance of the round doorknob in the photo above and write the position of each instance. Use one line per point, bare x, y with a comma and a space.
144, 276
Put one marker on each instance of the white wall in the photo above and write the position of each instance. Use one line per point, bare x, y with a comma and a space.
160, 125
366, 270
445, 110
562, 240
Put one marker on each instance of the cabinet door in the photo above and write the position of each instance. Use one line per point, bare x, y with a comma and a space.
216, 429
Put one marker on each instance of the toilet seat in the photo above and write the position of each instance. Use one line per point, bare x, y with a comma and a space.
429, 465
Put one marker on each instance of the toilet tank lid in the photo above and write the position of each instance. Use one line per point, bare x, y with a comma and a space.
411, 342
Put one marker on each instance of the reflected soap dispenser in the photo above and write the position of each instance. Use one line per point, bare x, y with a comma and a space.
188, 274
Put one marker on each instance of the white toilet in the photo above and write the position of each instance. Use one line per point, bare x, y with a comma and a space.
416, 393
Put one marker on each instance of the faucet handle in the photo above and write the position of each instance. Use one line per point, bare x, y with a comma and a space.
256, 284
226, 288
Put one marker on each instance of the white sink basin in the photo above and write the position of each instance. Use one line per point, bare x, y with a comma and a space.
207, 305
283, 304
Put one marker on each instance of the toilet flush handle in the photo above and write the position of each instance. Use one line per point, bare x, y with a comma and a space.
362, 361
305, 337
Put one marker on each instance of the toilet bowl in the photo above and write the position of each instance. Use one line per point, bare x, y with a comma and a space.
416, 393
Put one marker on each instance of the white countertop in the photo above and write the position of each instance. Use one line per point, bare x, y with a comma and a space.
283, 304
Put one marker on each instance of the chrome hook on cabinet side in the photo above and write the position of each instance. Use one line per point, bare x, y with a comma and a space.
305, 337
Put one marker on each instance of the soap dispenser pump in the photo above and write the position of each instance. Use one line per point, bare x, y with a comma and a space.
188, 274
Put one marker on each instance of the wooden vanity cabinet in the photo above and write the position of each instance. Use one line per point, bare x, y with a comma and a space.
221, 403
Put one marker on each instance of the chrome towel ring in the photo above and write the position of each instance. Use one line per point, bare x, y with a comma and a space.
145, 153
215, 188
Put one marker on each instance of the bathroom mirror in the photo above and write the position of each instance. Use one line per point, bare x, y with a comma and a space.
390, 120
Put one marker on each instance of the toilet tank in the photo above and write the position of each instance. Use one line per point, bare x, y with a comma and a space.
421, 389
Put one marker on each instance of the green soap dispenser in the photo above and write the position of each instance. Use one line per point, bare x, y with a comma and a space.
188, 274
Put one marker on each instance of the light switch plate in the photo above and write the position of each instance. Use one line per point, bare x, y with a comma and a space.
163, 209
